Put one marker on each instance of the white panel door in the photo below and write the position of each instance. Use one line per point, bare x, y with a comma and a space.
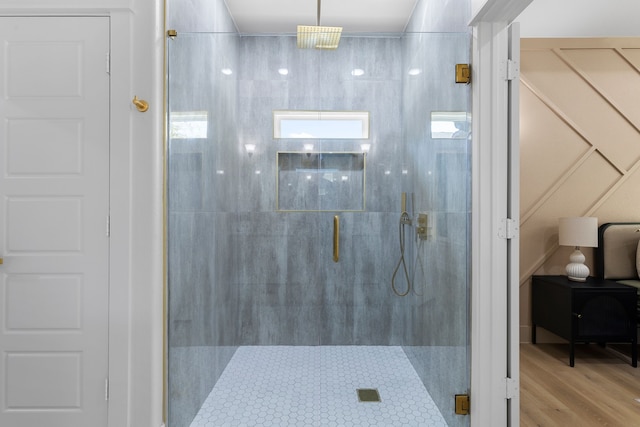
54, 203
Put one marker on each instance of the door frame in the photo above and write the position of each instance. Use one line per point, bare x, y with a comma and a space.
137, 217
495, 217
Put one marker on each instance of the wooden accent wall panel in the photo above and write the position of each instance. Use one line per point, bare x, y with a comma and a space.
579, 145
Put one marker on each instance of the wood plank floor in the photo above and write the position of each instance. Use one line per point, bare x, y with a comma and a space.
603, 389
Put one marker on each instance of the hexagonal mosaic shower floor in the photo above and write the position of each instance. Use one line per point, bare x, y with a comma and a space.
268, 386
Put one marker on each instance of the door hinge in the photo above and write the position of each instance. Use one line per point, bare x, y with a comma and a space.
106, 389
508, 229
513, 70
511, 389
108, 228
462, 404
108, 62
463, 73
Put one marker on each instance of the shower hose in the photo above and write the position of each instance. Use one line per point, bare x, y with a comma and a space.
404, 219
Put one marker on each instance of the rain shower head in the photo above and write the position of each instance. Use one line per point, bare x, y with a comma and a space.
317, 37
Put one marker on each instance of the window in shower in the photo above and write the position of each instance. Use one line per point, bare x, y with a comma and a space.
321, 181
450, 125
188, 124
320, 124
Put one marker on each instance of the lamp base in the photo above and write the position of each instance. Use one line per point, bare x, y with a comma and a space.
576, 270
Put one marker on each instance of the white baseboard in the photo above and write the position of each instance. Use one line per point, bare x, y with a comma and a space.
542, 336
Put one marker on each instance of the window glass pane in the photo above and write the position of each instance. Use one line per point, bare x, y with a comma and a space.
321, 124
450, 125
188, 124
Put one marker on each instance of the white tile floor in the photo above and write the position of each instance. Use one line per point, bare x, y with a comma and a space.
268, 386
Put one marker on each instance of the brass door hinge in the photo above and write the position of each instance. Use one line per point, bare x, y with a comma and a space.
463, 73
462, 404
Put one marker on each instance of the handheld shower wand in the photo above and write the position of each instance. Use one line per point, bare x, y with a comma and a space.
405, 219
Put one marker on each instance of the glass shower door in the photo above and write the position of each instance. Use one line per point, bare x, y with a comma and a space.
253, 273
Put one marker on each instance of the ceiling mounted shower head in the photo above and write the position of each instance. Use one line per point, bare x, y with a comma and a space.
317, 37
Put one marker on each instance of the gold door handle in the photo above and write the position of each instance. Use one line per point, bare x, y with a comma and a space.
1, 261
336, 238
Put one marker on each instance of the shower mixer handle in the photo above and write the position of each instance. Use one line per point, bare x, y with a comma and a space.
422, 229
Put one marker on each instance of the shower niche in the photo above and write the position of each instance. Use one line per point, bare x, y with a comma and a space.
321, 181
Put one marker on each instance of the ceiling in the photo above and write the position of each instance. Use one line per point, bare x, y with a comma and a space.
580, 18
354, 16
543, 18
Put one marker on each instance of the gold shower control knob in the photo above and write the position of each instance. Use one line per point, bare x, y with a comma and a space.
1, 261
422, 229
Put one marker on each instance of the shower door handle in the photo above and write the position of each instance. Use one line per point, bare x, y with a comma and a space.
336, 238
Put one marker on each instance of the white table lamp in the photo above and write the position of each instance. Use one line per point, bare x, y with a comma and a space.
578, 232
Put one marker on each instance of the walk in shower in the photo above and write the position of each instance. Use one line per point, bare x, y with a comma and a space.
267, 325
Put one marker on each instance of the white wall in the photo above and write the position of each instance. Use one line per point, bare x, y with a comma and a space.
580, 18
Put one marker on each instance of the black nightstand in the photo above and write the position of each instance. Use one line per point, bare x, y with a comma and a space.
597, 310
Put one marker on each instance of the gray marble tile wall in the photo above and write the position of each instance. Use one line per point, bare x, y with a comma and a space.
299, 295
242, 273
199, 16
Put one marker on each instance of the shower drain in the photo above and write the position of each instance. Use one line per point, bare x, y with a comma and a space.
368, 395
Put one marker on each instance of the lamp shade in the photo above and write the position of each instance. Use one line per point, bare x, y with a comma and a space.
578, 232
